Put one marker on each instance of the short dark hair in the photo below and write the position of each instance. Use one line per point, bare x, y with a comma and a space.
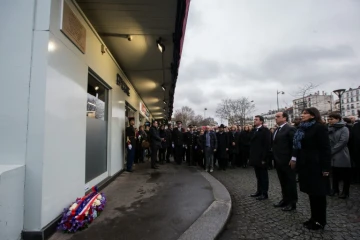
347, 120
315, 113
335, 115
261, 118
285, 115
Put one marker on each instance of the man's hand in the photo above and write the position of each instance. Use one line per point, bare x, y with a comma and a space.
292, 164
214, 150
227, 149
263, 162
233, 144
325, 174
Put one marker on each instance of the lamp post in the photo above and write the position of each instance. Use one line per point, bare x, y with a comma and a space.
277, 97
339, 93
205, 112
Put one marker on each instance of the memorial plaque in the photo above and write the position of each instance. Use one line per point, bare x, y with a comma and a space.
73, 28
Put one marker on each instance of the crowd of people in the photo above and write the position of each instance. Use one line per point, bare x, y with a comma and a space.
308, 151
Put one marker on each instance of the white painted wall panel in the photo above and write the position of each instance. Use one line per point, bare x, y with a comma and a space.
65, 130
12, 179
15, 59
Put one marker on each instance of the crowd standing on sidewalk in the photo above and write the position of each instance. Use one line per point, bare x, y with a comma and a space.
315, 154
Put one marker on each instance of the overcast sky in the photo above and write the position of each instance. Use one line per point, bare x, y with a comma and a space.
251, 48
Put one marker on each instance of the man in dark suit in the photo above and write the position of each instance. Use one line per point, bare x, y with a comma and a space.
282, 151
178, 142
155, 144
259, 148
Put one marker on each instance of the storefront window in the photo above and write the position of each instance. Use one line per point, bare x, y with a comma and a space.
96, 99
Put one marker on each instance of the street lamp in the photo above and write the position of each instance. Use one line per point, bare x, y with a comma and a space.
204, 112
339, 93
277, 97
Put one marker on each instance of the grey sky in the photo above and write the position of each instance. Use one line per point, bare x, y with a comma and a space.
251, 48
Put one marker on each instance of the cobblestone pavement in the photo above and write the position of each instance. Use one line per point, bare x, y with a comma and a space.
252, 219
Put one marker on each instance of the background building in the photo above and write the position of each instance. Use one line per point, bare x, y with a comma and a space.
351, 102
323, 102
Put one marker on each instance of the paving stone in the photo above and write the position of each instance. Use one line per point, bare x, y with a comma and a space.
252, 219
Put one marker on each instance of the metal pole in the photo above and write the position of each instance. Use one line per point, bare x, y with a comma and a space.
277, 99
340, 95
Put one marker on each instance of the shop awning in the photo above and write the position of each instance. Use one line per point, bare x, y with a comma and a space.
132, 29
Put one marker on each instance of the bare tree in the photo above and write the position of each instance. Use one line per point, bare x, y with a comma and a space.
304, 91
197, 120
185, 114
235, 110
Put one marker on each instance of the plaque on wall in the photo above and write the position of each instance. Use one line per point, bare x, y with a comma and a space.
72, 27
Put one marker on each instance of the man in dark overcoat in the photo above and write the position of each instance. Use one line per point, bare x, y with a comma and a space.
155, 143
169, 150
222, 152
259, 148
130, 144
190, 140
282, 151
178, 142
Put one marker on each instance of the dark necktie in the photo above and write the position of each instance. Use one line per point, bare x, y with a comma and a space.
276, 132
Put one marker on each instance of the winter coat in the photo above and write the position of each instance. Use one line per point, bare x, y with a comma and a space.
223, 144
259, 147
339, 137
313, 159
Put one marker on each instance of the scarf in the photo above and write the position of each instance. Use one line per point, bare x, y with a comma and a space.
300, 133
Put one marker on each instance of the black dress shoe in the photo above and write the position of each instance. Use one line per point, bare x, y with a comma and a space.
262, 197
333, 193
315, 226
288, 208
308, 222
154, 167
343, 196
280, 204
129, 170
257, 194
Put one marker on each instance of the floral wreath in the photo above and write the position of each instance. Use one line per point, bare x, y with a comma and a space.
82, 212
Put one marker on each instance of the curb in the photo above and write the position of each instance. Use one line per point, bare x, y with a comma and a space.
211, 223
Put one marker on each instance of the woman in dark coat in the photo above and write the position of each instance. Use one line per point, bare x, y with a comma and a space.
312, 157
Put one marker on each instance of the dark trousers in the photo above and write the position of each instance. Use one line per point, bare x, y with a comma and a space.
262, 178
287, 178
190, 155
339, 174
130, 158
245, 152
168, 153
162, 155
318, 208
178, 154
223, 162
154, 153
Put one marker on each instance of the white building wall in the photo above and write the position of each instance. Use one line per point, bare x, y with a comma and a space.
65, 127
15, 60
43, 121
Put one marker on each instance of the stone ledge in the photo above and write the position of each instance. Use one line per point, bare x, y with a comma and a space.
211, 223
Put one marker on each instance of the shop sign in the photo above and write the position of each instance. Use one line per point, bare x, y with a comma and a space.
144, 110
120, 82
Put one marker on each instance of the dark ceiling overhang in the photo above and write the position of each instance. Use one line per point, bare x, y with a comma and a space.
144, 65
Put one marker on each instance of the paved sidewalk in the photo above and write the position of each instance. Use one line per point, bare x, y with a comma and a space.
252, 219
149, 204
